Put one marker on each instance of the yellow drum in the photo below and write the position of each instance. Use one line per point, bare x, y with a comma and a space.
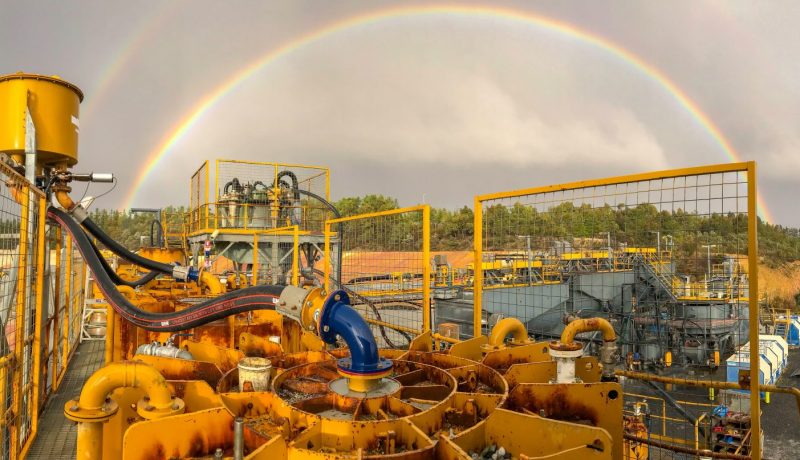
53, 103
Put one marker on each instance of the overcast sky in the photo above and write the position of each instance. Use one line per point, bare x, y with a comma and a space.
442, 106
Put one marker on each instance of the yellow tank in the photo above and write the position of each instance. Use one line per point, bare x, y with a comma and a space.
53, 103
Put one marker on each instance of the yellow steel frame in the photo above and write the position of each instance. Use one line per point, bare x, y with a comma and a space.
426, 254
294, 230
752, 227
322, 169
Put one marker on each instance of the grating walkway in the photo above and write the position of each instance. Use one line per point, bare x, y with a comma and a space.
57, 435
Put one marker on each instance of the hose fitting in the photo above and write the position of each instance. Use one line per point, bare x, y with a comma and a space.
364, 367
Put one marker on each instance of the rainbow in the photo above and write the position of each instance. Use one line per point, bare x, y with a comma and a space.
133, 44
550, 24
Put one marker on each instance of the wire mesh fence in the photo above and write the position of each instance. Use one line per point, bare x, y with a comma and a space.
198, 197
255, 195
668, 258
382, 261
38, 333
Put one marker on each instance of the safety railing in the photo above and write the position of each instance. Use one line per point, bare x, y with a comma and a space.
251, 196
702, 216
38, 293
385, 268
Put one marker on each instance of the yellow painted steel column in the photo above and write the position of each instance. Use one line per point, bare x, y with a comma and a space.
255, 259
752, 245
41, 247
19, 320
426, 268
205, 167
327, 265
477, 272
57, 309
216, 194
110, 325
67, 301
295, 256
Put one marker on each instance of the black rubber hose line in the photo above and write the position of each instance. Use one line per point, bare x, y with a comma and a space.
150, 276
231, 303
122, 251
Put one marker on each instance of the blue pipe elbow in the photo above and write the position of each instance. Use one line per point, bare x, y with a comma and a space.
339, 318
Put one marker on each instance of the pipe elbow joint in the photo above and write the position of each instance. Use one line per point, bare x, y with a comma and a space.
339, 318
507, 326
94, 403
587, 325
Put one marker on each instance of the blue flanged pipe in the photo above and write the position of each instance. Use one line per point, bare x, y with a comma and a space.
339, 318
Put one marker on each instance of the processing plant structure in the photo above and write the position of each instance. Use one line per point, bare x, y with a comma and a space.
264, 325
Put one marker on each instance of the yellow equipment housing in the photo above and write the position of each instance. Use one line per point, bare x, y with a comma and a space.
53, 105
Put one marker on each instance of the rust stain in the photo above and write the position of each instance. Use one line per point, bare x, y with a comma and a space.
557, 405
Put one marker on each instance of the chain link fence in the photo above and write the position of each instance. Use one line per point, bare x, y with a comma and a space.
385, 268
669, 258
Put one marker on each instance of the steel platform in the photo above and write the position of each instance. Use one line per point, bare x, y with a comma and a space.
57, 435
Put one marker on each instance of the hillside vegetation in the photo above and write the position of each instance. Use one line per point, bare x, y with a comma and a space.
452, 230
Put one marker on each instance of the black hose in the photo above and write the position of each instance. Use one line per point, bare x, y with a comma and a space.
160, 242
122, 251
295, 182
150, 276
355, 295
338, 215
240, 301
237, 187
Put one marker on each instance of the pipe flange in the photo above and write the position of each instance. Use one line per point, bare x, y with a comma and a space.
74, 412
566, 353
382, 369
149, 412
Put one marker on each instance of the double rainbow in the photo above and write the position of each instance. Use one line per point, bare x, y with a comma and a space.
208, 102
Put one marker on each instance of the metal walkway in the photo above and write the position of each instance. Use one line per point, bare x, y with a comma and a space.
57, 435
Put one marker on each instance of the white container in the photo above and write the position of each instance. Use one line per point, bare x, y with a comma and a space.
254, 374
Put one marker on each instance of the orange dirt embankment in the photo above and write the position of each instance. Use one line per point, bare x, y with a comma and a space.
783, 281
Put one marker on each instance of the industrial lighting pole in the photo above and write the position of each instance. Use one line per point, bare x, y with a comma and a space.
708, 258
670, 242
610, 258
528, 242
658, 241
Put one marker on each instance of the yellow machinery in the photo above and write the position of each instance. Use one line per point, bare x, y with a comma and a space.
199, 367
53, 105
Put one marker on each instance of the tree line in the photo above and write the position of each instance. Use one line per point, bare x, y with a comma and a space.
507, 228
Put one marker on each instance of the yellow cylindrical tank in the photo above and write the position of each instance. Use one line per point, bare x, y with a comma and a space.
53, 104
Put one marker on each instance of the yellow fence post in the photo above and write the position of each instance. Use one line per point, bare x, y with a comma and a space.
19, 319
752, 234
426, 268
41, 247
67, 326
255, 259
327, 265
477, 272
56, 308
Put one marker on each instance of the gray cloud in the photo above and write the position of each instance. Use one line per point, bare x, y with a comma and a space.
443, 105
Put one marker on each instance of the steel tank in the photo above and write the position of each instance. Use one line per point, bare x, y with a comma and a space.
54, 107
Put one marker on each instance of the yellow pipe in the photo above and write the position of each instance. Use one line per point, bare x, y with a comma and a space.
93, 406
63, 198
90, 441
125, 374
508, 326
587, 325
709, 384
211, 282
